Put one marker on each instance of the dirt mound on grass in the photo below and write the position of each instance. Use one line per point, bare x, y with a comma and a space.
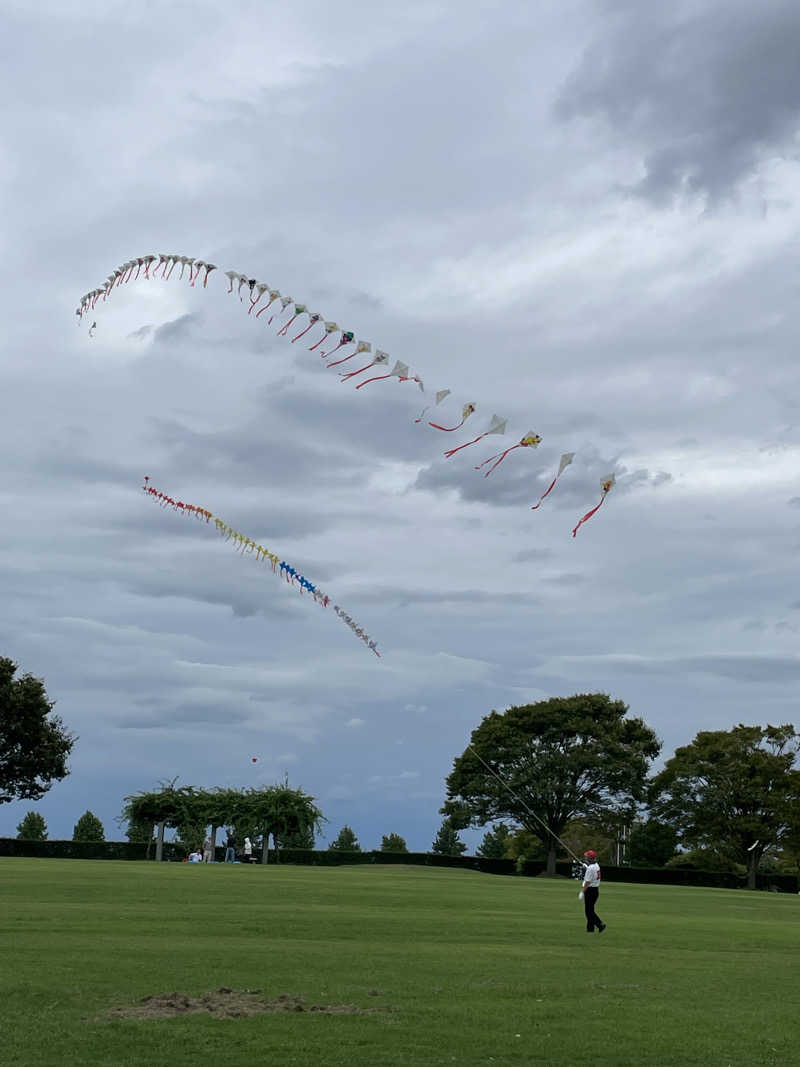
224, 1003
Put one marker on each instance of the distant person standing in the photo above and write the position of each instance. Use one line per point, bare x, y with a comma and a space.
590, 891
248, 850
208, 852
230, 848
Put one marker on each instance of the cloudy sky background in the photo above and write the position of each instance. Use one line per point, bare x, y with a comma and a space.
580, 215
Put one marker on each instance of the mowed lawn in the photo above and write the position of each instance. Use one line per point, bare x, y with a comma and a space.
476, 968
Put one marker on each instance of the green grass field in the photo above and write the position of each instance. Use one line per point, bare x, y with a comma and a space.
476, 969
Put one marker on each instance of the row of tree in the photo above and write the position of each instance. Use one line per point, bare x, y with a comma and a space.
87, 828
565, 772
567, 769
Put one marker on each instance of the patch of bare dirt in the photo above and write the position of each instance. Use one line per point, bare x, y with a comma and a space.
224, 1003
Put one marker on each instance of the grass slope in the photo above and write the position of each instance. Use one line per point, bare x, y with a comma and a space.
477, 969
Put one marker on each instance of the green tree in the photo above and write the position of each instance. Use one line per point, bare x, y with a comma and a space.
168, 807
704, 859
34, 744
495, 841
345, 842
523, 845
393, 843
303, 838
733, 791
563, 758
279, 810
652, 843
32, 828
447, 842
88, 828
189, 836
139, 832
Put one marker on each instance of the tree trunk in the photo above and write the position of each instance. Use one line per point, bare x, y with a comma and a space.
277, 853
149, 841
265, 849
160, 842
752, 862
551, 860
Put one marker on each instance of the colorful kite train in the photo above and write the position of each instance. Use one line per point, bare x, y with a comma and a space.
245, 545
286, 311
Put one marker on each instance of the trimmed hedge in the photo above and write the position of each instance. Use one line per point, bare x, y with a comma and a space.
126, 850
85, 850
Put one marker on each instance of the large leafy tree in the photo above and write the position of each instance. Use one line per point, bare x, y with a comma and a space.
560, 759
734, 791
652, 843
34, 744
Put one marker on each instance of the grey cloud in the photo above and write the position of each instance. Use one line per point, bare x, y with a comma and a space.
752, 669
185, 715
180, 329
532, 555
511, 488
404, 598
705, 97
142, 333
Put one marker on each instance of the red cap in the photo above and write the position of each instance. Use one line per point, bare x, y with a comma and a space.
590, 854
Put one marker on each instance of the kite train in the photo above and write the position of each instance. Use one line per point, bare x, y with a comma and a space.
246, 545
287, 312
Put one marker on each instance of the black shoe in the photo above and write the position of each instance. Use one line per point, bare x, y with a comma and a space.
590, 931
601, 928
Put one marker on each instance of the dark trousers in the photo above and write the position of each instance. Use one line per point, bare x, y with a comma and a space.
593, 920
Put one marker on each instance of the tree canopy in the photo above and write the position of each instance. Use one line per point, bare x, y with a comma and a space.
560, 759
34, 744
735, 792
279, 810
652, 843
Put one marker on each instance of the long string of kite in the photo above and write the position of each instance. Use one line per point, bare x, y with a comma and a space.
519, 800
163, 265
247, 545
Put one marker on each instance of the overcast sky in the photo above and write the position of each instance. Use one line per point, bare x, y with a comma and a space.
579, 215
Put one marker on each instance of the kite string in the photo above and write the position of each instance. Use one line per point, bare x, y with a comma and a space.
519, 800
